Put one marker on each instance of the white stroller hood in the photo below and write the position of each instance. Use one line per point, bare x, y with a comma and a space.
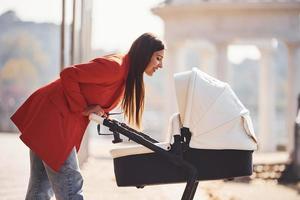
212, 112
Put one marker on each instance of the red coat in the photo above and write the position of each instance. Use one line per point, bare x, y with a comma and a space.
50, 120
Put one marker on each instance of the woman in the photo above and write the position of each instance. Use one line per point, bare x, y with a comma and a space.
53, 119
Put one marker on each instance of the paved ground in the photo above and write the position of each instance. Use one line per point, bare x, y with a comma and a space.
100, 183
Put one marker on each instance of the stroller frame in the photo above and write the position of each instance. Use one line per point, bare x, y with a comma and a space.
175, 158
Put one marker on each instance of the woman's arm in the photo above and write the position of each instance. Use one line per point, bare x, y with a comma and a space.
100, 72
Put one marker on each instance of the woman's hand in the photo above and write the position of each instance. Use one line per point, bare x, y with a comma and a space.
94, 109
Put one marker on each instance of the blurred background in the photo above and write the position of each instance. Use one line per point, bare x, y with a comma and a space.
251, 44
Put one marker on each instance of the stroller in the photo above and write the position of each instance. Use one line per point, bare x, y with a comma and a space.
212, 138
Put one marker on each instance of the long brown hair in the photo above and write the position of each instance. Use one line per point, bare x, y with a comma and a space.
139, 56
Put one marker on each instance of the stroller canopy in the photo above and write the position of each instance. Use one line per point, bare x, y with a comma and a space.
213, 113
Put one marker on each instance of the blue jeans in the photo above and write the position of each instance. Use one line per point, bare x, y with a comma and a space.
66, 184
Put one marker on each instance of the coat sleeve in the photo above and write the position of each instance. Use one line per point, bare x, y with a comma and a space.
100, 72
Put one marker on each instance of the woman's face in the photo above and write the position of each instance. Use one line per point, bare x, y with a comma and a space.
155, 62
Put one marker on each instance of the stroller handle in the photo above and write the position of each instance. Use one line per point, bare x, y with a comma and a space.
96, 118
99, 120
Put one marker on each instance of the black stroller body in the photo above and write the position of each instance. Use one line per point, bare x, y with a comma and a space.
177, 165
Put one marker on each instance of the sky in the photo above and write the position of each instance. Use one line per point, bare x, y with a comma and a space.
126, 19
118, 19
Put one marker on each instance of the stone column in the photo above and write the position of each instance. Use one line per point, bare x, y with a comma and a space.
221, 68
292, 171
293, 90
84, 45
172, 64
267, 141
206, 62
